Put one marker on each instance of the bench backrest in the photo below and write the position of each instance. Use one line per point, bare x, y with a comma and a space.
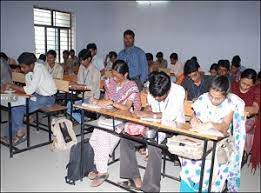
62, 85
18, 77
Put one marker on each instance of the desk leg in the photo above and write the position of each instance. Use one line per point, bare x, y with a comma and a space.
82, 96
71, 97
27, 122
10, 130
82, 138
212, 165
203, 165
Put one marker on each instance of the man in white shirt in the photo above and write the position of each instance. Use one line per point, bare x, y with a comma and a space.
40, 84
176, 67
55, 69
98, 62
165, 102
89, 75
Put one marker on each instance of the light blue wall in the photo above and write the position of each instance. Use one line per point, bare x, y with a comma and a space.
209, 30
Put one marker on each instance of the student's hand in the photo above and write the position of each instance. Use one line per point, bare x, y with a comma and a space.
93, 101
195, 123
102, 72
141, 114
104, 103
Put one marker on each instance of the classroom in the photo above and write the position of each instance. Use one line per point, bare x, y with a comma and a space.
130, 96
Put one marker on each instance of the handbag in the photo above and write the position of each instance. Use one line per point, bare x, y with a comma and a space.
225, 148
187, 147
135, 129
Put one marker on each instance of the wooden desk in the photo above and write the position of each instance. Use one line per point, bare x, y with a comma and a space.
12, 100
78, 87
183, 129
71, 78
15, 99
177, 129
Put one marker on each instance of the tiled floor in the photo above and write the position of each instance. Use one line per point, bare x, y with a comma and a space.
43, 170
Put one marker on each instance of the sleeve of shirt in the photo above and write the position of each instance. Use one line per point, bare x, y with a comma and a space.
31, 86
185, 84
175, 109
120, 56
257, 95
144, 67
80, 76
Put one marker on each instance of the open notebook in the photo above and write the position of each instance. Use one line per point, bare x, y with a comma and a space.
211, 131
150, 119
93, 106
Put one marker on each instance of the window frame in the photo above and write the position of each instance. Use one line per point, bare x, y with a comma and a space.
69, 30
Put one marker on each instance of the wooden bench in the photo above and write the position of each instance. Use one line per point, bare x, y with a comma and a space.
63, 86
18, 77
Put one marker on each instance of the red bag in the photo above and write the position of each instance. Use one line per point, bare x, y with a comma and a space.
135, 129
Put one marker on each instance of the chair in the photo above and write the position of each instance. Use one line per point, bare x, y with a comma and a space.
18, 77
71, 78
166, 70
62, 86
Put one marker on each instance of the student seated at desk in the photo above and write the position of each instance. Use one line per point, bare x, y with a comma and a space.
213, 70
6, 72
72, 63
122, 94
88, 75
41, 86
109, 60
165, 102
224, 69
250, 94
195, 83
216, 109
175, 66
55, 69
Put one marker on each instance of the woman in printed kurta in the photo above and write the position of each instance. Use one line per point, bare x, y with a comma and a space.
216, 109
123, 94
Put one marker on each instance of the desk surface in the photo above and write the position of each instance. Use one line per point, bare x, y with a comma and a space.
127, 116
16, 99
78, 87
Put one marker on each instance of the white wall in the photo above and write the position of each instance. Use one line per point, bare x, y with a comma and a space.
209, 30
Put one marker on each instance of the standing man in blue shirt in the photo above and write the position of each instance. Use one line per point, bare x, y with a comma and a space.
135, 58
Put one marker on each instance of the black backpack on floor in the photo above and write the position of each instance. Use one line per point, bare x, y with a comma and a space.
74, 168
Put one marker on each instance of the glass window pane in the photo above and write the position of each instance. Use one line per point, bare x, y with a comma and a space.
39, 39
61, 19
42, 16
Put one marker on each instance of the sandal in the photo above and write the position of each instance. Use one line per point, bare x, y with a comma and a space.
129, 184
98, 180
19, 139
92, 175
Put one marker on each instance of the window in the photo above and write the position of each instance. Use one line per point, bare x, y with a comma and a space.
53, 30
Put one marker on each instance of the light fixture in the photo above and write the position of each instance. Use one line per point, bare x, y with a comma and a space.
150, 2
